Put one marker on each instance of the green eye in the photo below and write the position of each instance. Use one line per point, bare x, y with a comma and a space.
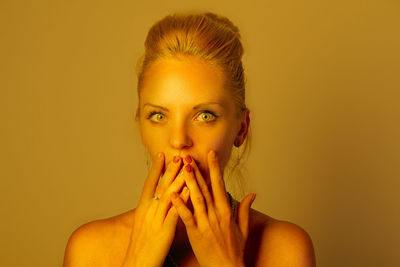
159, 117
156, 116
207, 116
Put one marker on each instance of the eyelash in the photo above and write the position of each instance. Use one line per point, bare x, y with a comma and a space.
152, 113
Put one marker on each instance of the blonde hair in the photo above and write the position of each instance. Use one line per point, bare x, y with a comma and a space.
207, 36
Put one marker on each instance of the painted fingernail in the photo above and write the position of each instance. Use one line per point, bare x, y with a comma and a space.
213, 155
188, 159
176, 159
188, 168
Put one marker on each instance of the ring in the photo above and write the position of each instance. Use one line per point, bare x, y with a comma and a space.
156, 198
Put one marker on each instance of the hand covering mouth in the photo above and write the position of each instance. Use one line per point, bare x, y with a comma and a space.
196, 161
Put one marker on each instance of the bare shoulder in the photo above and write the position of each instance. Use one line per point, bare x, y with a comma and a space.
277, 243
100, 242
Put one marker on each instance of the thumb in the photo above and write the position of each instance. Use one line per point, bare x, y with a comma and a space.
243, 214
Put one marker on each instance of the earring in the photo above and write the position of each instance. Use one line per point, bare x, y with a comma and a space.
237, 158
146, 155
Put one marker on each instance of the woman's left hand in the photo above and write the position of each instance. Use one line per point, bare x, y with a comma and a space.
216, 238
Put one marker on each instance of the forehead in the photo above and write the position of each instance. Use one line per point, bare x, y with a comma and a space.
186, 80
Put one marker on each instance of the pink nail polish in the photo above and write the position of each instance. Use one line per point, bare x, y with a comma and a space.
188, 168
188, 159
176, 159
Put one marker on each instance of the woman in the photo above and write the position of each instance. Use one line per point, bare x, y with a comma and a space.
191, 112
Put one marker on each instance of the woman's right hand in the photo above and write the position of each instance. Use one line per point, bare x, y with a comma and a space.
154, 221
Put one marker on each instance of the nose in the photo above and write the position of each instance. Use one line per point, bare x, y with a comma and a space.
179, 138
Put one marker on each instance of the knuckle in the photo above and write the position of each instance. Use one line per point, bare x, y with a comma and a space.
188, 218
168, 171
164, 199
176, 184
172, 168
173, 211
199, 200
226, 214
190, 179
156, 164
204, 190
205, 232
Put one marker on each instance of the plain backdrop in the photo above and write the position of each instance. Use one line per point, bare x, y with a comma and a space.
322, 86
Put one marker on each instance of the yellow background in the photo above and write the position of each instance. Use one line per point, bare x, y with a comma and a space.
323, 90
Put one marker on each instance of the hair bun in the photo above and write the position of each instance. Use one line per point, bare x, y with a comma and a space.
208, 36
223, 21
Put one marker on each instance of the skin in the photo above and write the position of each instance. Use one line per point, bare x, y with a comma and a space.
192, 216
179, 86
186, 111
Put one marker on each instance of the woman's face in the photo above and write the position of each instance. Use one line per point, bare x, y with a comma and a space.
185, 110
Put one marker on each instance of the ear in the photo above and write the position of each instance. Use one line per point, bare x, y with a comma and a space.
244, 128
137, 115
137, 121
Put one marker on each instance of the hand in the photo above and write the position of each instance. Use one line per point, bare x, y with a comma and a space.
216, 238
154, 221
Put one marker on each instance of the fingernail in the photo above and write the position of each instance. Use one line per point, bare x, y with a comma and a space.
213, 155
188, 168
253, 198
176, 159
188, 159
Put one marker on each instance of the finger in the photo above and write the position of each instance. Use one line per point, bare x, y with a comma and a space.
168, 176
195, 194
217, 184
152, 178
202, 184
165, 201
243, 214
172, 217
177, 184
183, 211
212, 216
185, 194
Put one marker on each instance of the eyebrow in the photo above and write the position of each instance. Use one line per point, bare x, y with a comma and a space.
199, 106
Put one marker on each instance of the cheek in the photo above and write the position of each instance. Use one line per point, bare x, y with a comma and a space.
223, 148
151, 140
222, 145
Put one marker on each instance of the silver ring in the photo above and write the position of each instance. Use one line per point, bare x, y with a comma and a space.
156, 198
